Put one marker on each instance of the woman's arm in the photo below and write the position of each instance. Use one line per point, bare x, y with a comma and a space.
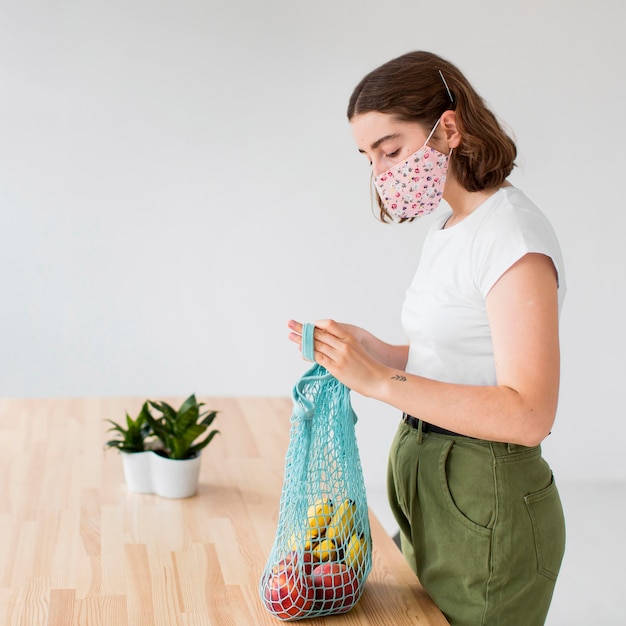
523, 315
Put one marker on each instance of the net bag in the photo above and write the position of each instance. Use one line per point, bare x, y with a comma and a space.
322, 552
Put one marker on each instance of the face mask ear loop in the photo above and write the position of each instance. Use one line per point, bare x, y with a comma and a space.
373, 192
432, 132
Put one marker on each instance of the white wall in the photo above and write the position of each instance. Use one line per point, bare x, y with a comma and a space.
177, 180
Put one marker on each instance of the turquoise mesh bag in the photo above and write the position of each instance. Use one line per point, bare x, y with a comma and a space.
322, 552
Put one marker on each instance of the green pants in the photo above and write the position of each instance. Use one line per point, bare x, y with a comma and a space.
481, 525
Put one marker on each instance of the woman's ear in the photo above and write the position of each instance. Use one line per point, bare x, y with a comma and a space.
452, 133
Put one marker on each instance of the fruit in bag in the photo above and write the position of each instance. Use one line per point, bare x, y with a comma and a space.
321, 555
319, 516
336, 587
356, 552
288, 592
325, 550
342, 522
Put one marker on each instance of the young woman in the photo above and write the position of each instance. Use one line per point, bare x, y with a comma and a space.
479, 513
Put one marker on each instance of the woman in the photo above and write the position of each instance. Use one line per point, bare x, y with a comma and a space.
479, 514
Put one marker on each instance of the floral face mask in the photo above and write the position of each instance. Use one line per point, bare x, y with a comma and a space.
413, 188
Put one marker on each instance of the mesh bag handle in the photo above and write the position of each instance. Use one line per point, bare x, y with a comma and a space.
308, 350
321, 555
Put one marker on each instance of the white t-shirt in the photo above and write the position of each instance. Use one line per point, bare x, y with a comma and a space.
444, 313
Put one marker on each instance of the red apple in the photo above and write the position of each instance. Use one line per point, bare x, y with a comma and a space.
336, 587
286, 563
288, 593
293, 559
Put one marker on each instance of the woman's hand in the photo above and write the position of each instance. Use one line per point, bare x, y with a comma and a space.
350, 353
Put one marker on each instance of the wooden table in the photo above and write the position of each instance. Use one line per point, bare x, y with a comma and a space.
77, 548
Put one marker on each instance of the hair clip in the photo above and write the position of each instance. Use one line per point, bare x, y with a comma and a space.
446, 86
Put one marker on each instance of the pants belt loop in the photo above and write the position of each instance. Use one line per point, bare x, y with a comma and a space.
420, 433
511, 447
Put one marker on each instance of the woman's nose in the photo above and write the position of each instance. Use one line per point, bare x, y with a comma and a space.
378, 167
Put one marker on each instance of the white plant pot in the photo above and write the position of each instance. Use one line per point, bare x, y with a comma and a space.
175, 478
138, 471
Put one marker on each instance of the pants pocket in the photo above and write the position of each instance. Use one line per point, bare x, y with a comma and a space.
546, 515
467, 487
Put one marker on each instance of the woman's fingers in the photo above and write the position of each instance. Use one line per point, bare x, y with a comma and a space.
327, 337
296, 332
295, 326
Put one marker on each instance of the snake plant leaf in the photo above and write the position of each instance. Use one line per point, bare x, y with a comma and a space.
202, 444
133, 436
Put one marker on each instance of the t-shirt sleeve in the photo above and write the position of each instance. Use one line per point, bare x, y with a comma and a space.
506, 237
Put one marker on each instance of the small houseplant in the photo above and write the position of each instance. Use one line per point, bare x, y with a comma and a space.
133, 443
160, 448
178, 430
176, 464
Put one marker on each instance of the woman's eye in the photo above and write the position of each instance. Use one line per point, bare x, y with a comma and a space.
393, 154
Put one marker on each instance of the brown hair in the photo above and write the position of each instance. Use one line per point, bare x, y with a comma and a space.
411, 88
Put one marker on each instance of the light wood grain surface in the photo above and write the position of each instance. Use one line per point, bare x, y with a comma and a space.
77, 548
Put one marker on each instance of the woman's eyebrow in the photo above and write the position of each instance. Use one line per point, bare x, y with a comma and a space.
379, 141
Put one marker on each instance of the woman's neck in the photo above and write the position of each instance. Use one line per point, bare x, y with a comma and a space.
463, 202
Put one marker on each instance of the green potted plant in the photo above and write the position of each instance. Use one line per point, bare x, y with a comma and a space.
133, 443
176, 463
